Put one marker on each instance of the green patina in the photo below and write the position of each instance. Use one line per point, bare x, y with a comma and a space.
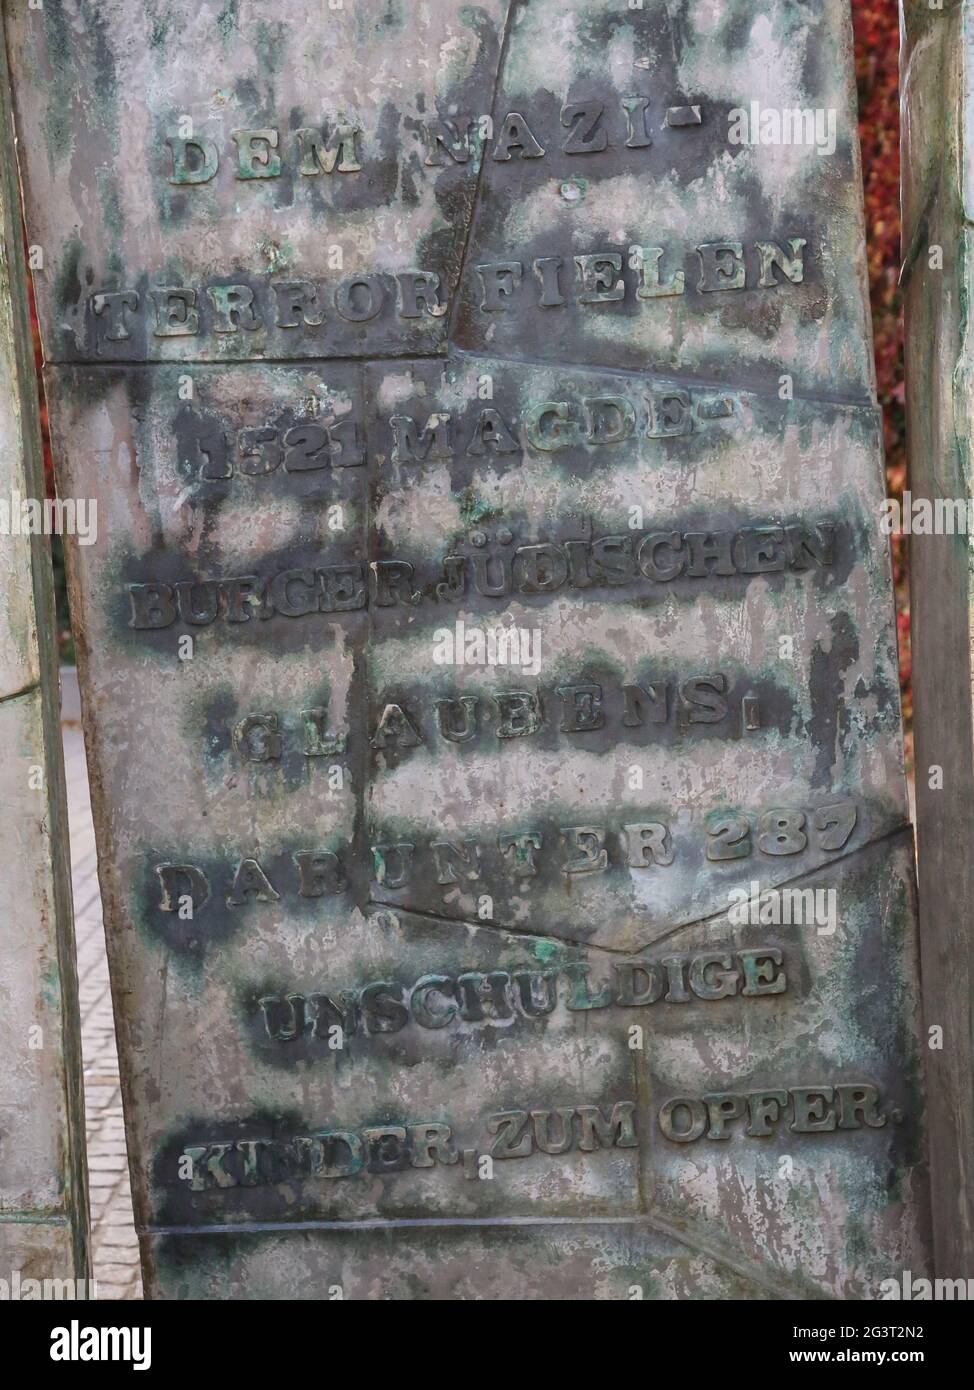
228, 22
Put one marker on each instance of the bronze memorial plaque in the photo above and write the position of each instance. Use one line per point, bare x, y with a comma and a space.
488, 659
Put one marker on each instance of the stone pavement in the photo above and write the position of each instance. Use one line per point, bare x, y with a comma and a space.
114, 1245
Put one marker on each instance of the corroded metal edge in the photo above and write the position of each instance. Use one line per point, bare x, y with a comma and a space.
42, 622
936, 93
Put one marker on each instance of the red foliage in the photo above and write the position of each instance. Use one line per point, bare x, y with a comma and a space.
876, 27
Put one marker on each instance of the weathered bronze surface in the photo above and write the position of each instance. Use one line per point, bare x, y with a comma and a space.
938, 203
477, 616
43, 1196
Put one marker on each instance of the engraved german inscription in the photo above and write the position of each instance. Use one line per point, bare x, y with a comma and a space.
487, 657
